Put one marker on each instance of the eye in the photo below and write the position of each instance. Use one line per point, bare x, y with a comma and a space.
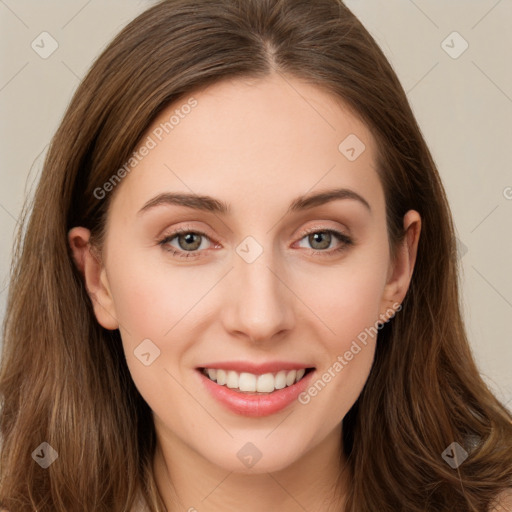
189, 242
321, 240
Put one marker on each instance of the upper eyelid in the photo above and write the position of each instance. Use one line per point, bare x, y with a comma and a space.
316, 226
307, 231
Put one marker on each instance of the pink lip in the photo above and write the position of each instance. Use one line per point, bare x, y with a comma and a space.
255, 405
256, 369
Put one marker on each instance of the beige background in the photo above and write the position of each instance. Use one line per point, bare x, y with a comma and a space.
463, 105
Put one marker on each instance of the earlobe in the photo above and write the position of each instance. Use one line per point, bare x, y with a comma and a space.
401, 270
94, 275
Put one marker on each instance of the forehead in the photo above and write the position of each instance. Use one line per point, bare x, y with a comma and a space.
254, 143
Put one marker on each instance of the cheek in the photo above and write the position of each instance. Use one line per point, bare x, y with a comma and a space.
346, 299
149, 303
150, 299
349, 354
348, 305
156, 302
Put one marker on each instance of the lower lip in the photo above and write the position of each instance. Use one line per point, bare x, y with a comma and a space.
256, 405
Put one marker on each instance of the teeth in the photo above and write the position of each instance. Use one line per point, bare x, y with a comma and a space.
232, 379
251, 383
280, 380
221, 377
290, 377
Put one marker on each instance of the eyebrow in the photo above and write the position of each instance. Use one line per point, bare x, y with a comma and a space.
212, 205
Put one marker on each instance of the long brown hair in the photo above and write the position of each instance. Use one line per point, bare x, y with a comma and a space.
64, 378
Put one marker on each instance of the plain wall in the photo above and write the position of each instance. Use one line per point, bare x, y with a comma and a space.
463, 106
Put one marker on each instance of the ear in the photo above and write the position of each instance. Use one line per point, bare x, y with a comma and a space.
401, 269
89, 263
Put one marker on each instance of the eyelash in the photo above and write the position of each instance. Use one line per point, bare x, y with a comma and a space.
346, 242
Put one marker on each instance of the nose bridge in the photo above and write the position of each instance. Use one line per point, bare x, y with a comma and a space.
260, 304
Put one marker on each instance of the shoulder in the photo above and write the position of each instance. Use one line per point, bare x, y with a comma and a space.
503, 502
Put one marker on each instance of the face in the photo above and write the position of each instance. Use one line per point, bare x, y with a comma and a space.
263, 279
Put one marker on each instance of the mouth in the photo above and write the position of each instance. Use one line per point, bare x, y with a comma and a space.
258, 394
255, 384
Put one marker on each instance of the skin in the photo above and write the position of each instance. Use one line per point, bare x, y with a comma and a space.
257, 145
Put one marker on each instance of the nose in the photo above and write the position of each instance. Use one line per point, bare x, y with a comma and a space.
259, 305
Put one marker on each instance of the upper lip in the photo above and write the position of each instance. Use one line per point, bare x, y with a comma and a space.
256, 368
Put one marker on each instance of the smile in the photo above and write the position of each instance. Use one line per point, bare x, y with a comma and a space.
255, 394
246, 382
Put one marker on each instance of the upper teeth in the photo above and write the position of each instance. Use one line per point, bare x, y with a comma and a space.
244, 381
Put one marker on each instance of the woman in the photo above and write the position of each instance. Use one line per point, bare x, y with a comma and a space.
181, 342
